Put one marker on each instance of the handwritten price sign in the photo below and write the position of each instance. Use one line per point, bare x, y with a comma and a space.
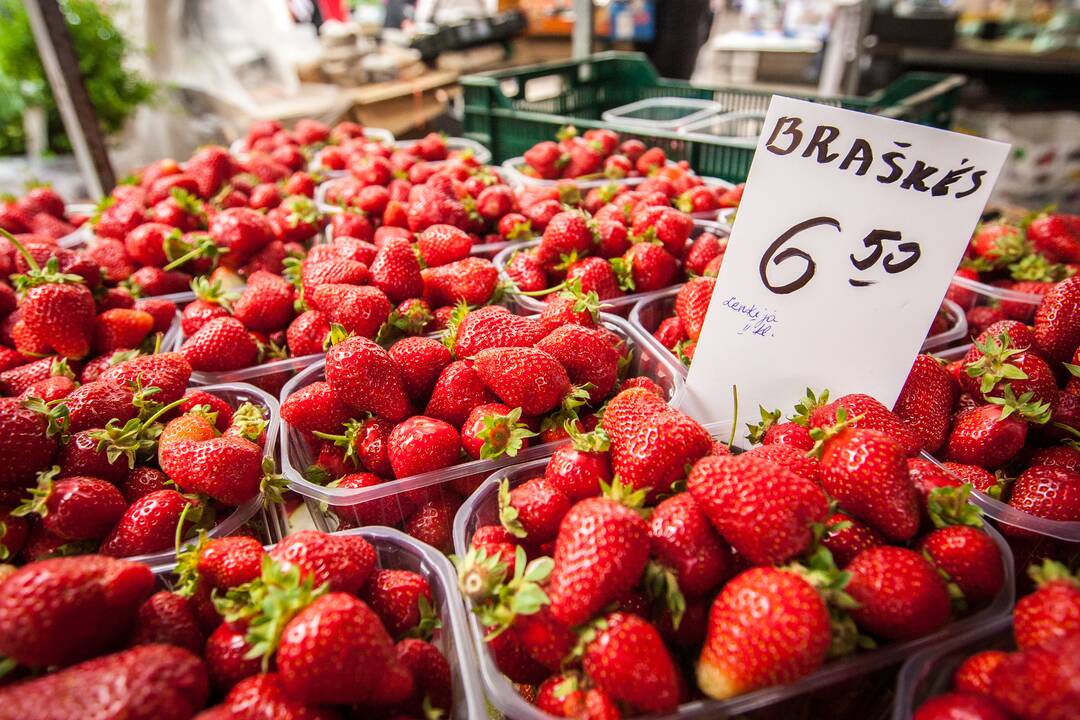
848, 233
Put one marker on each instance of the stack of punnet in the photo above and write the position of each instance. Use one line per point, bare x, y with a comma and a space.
360, 624
646, 568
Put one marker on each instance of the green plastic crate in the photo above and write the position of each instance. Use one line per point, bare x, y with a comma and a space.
511, 110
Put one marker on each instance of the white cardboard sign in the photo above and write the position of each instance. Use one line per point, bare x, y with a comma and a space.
848, 233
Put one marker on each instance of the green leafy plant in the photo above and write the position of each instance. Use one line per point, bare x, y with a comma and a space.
115, 91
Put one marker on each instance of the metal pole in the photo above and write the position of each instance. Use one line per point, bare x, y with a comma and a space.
80, 120
581, 40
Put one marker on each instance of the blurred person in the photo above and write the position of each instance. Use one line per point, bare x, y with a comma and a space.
682, 27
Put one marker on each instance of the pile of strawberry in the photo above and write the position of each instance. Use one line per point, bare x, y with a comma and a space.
1028, 256
291, 633
632, 245
411, 161
679, 331
496, 382
646, 549
1006, 417
125, 464
1037, 679
40, 215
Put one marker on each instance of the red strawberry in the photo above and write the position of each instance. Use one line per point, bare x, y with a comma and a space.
155, 281
396, 271
587, 356
628, 660
365, 378
682, 539
765, 511
472, 281
847, 537
75, 508
567, 235
148, 525
116, 218
457, 391
262, 695
595, 275
58, 612
955, 705
525, 271
430, 671
242, 231
119, 329
1040, 683
421, 444
220, 344
307, 333
664, 224
533, 509
169, 619
53, 388
361, 310
169, 372
421, 360
900, 595
1057, 321
990, 365
336, 270
990, 435
266, 304
528, 378
151, 682
432, 524
926, 402
328, 649
210, 166
58, 309
495, 327
691, 304
442, 244
766, 627
1051, 611
344, 561
492, 430
23, 443
973, 675
600, 552
1055, 236
402, 600
578, 473
874, 416
227, 469
163, 312
651, 444
650, 161
867, 473
790, 458
969, 557
314, 408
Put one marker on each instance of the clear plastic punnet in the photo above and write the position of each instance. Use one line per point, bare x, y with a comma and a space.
930, 671
482, 509
484, 250
296, 455
398, 551
512, 170
970, 293
480, 153
663, 113
648, 313
620, 305
235, 394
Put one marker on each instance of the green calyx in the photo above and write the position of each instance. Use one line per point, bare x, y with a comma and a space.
820, 571
509, 517
56, 414
270, 350
268, 603
809, 403
202, 246
136, 439
950, 506
408, 323
624, 274
1036, 267
521, 595
338, 335
821, 436
503, 435
429, 621
595, 441
453, 324
249, 421
1024, 406
662, 587
188, 203
756, 432
1052, 571
37, 275
479, 574
993, 364
187, 566
346, 440
35, 504
625, 494
212, 291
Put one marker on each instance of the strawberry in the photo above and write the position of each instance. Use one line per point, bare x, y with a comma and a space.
973, 675
472, 281
162, 311
789, 458
402, 600
1051, 611
766, 627
240, 231
594, 275
360, 310
682, 539
225, 655
492, 430
867, 473
664, 224
116, 218
1055, 236
421, 360
525, 271
431, 673
169, 619
75, 508
989, 365
210, 167
954, 705
53, 388
58, 612
432, 524
649, 161
119, 329
528, 378
969, 557
645, 267
227, 469
991, 435
24, 444
220, 344
1057, 321
998, 244
627, 660
566, 235
421, 444
600, 552
307, 333
691, 304
587, 356
846, 537
266, 304
769, 519
457, 391
263, 695
396, 271
80, 456
336, 269
900, 595
926, 401
365, 378
45, 199
442, 245
1048, 492
494, 327
228, 562
169, 372
533, 509
149, 682
148, 525
865, 412
198, 313
1039, 683
578, 473
329, 646
314, 408
345, 562
58, 308
651, 444
155, 281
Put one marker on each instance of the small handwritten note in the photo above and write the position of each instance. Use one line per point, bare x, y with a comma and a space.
849, 231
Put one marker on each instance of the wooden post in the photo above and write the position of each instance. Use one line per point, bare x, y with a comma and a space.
80, 119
